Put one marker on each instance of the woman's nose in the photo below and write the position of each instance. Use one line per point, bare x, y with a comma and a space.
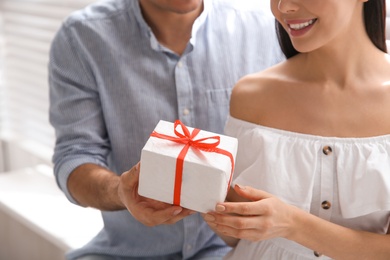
287, 6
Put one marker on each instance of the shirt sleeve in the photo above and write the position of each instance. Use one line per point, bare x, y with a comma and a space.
75, 109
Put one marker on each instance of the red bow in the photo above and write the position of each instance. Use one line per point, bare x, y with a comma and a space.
188, 140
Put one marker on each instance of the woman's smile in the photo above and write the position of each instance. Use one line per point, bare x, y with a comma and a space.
299, 27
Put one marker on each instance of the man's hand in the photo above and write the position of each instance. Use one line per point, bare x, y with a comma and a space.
147, 211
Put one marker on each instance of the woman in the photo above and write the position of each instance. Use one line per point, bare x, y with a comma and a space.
312, 176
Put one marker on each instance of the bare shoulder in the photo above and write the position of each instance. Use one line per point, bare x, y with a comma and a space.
252, 93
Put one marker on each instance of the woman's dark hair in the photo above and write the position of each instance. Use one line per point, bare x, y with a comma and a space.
374, 19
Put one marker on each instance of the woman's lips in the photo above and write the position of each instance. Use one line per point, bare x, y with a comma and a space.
299, 28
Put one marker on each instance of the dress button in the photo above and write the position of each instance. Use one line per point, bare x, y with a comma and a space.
317, 254
327, 150
325, 204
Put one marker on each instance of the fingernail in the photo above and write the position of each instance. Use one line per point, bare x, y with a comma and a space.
240, 187
177, 212
209, 218
220, 208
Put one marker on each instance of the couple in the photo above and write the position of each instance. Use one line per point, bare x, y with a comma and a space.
312, 171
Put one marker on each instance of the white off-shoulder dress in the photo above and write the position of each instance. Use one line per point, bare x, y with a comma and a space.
342, 180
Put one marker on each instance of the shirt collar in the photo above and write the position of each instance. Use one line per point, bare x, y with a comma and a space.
200, 20
147, 31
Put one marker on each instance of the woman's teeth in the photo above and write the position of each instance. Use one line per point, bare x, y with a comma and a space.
299, 26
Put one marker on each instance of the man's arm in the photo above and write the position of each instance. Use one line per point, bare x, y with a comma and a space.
94, 186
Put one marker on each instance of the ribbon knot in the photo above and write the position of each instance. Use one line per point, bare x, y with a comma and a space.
207, 144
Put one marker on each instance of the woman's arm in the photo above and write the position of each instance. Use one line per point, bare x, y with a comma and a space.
340, 242
268, 217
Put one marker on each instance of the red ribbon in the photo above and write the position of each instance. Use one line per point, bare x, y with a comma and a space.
187, 139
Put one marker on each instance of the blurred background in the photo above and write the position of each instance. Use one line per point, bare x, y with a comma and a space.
36, 221
26, 30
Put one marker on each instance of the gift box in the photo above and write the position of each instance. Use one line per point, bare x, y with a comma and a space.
186, 166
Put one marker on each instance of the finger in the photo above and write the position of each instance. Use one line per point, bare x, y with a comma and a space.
130, 179
235, 226
243, 208
155, 209
176, 215
247, 234
234, 221
251, 193
153, 217
130, 174
183, 214
128, 187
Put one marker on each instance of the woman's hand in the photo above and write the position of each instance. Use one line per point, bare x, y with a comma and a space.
263, 217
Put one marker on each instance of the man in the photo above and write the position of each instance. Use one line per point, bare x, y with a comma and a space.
116, 69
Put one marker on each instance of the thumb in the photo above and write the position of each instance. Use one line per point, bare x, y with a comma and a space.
251, 193
130, 178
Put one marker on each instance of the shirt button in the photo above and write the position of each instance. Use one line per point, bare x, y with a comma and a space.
327, 150
186, 111
189, 247
180, 64
317, 254
325, 204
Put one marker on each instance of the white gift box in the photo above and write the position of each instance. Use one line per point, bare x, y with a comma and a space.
205, 176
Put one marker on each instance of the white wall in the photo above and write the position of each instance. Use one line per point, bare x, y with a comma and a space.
388, 19
265, 3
